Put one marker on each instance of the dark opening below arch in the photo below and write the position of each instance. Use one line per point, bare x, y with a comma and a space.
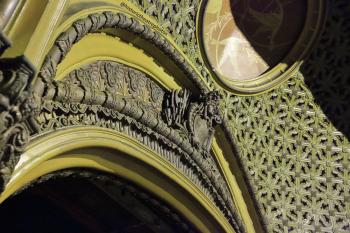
87, 202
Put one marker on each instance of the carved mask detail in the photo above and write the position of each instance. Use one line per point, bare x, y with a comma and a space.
195, 118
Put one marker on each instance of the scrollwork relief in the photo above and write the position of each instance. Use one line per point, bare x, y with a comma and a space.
16, 109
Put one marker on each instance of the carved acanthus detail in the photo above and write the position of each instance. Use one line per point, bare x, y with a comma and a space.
16, 109
175, 106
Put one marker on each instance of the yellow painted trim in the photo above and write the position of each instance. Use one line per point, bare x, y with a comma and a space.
35, 50
234, 187
103, 47
9, 26
59, 143
24, 25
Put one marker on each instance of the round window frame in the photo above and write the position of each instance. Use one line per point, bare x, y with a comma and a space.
315, 18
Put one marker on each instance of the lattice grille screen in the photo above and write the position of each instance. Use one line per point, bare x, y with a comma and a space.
296, 160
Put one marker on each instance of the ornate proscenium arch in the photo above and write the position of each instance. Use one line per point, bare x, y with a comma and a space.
177, 125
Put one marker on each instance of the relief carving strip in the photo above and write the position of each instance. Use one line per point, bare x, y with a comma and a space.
16, 111
174, 124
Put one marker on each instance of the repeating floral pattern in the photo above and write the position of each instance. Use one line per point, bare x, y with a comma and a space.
297, 162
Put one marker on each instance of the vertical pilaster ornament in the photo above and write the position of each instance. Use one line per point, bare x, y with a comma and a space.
16, 107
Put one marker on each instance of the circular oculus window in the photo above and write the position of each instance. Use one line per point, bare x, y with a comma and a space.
252, 45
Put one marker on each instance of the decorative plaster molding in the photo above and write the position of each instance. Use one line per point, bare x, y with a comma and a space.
107, 94
178, 127
16, 109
